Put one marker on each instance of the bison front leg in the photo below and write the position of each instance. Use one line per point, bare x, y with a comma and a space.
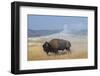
47, 53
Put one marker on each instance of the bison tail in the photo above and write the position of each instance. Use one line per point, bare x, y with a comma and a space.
70, 44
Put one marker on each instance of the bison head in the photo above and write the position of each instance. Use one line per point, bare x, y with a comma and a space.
46, 47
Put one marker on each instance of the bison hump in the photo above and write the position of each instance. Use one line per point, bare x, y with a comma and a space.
54, 43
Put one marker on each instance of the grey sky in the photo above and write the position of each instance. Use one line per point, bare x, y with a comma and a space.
42, 22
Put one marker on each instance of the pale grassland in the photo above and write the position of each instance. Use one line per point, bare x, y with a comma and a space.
78, 51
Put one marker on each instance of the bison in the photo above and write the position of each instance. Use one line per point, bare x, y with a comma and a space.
55, 45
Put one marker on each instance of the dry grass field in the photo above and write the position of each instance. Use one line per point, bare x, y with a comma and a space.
78, 51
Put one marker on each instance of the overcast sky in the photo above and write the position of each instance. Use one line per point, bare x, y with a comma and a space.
41, 22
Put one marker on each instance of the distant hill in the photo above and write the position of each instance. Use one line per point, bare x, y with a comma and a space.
38, 33
79, 32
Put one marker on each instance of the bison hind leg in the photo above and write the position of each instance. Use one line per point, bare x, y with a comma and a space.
56, 52
68, 49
